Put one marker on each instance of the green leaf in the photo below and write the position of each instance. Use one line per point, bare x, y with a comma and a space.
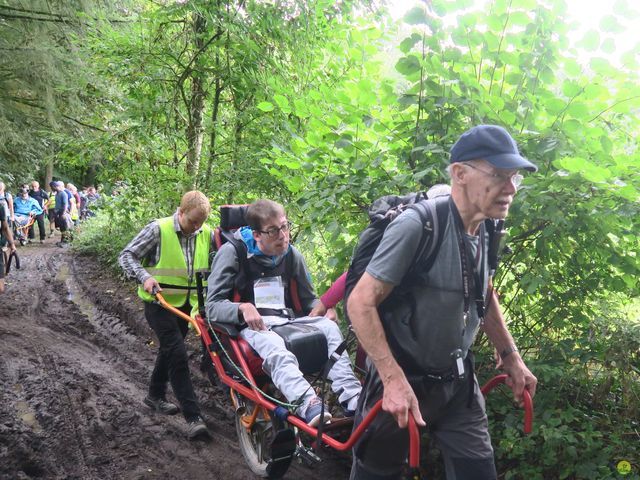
609, 23
408, 100
265, 106
572, 67
585, 168
519, 18
570, 88
301, 108
578, 110
407, 44
508, 117
608, 45
282, 102
590, 41
408, 65
416, 16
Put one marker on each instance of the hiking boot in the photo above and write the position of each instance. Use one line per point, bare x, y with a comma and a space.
161, 405
312, 416
197, 428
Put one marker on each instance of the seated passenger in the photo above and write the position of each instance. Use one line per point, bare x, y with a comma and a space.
270, 257
25, 206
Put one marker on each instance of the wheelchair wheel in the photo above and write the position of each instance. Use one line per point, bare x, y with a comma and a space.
255, 433
259, 437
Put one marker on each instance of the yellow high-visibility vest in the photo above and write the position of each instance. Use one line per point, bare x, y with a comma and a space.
171, 269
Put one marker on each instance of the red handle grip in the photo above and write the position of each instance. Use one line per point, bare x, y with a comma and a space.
528, 402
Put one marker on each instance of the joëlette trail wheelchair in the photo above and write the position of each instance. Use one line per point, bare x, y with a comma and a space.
21, 229
269, 435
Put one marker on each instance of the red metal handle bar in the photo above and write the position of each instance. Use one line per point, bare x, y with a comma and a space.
528, 402
414, 443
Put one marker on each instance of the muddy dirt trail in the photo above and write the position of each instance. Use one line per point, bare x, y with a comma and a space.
75, 357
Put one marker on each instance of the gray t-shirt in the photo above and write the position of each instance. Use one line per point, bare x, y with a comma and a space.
397, 250
437, 326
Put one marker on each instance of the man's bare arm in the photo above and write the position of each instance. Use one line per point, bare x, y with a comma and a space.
399, 398
520, 377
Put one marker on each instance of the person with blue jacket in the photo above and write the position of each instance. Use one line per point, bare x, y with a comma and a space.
25, 206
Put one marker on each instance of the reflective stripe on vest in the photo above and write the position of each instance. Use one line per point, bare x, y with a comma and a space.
171, 269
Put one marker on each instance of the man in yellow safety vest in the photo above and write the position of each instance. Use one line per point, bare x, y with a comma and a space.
165, 257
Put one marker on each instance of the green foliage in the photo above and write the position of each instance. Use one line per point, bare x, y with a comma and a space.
117, 220
42, 84
318, 105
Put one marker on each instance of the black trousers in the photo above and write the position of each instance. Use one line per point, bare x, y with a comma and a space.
41, 230
172, 362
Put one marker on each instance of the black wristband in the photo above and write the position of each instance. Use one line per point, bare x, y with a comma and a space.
508, 351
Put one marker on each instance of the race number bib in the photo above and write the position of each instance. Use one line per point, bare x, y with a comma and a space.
268, 292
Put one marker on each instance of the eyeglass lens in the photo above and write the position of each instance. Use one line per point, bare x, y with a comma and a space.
275, 231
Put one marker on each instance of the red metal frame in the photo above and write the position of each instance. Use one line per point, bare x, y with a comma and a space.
256, 396
528, 402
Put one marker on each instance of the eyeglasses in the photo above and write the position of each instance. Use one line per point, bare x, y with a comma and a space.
274, 232
501, 178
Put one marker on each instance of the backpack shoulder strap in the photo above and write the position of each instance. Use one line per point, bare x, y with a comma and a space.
294, 290
241, 253
434, 215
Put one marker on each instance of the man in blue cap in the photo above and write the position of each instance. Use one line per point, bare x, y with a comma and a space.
441, 310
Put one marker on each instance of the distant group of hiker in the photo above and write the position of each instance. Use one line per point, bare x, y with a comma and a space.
419, 359
63, 206
32, 205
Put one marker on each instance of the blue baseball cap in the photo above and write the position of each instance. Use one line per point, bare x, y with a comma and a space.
493, 144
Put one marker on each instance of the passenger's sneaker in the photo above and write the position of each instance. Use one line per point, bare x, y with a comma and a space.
312, 416
350, 412
197, 428
161, 405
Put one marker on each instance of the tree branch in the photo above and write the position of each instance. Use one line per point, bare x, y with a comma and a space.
26, 17
33, 104
58, 18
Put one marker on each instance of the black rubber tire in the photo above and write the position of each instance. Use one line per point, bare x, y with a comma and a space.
254, 444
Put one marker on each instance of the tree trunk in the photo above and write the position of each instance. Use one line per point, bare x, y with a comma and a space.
214, 130
48, 174
195, 129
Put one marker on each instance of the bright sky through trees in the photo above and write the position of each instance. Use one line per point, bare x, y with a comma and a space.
585, 14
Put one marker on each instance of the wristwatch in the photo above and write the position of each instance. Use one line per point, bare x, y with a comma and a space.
508, 351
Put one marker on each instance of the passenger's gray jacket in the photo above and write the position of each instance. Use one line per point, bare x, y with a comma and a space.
225, 270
